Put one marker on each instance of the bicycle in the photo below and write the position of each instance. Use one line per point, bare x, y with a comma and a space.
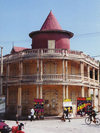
88, 121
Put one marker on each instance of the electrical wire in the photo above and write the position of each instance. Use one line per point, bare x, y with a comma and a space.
76, 36
28, 40
15, 41
87, 34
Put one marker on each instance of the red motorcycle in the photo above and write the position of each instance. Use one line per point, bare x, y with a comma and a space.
18, 128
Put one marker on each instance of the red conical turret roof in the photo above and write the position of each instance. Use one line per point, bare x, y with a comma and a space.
50, 23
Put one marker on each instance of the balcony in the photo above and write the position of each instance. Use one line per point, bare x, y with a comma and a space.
51, 78
50, 53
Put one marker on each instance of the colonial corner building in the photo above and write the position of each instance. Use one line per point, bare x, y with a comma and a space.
48, 70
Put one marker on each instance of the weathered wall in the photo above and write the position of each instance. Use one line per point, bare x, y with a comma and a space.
53, 97
73, 68
12, 100
28, 95
30, 67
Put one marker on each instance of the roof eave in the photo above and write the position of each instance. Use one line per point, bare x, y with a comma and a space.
70, 34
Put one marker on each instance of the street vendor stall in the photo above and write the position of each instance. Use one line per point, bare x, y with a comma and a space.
39, 108
67, 104
83, 105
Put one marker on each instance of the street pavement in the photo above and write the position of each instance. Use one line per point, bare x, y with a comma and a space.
57, 126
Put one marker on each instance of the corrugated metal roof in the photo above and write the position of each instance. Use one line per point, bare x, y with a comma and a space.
17, 49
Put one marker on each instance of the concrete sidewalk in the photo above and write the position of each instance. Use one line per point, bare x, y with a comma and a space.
57, 126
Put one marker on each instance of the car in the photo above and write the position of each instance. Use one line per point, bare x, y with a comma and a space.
4, 128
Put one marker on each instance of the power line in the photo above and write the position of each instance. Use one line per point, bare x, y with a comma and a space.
75, 36
95, 56
28, 40
15, 41
86, 34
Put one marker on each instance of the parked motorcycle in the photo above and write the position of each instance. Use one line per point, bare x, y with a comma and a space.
18, 128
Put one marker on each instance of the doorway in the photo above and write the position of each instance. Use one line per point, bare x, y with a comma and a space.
50, 97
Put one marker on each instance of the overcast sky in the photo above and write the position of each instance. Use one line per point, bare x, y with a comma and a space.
20, 17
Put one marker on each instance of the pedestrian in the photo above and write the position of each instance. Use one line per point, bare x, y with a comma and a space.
67, 114
16, 118
63, 115
32, 114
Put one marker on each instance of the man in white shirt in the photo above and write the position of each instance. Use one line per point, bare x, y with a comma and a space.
32, 113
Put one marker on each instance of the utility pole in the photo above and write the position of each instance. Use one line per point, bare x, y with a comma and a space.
1, 86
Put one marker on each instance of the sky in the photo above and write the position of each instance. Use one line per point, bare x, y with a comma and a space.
20, 17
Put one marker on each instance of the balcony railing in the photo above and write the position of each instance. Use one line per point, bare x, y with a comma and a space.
33, 53
86, 79
74, 77
51, 78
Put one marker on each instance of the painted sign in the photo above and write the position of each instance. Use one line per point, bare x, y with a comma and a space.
67, 104
83, 104
39, 105
2, 104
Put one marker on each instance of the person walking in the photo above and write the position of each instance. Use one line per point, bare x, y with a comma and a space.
67, 114
32, 114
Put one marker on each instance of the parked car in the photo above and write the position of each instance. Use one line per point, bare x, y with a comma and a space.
4, 128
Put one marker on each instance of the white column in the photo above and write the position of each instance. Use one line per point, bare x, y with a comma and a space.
37, 69
82, 71
63, 52
21, 67
98, 75
41, 52
19, 101
41, 92
67, 92
83, 91
41, 69
89, 95
88, 73
63, 92
66, 70
37, 91
94, 74
94, 96
63, 69
98, 99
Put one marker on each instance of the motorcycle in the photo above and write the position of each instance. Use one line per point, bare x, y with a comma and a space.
18, 128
